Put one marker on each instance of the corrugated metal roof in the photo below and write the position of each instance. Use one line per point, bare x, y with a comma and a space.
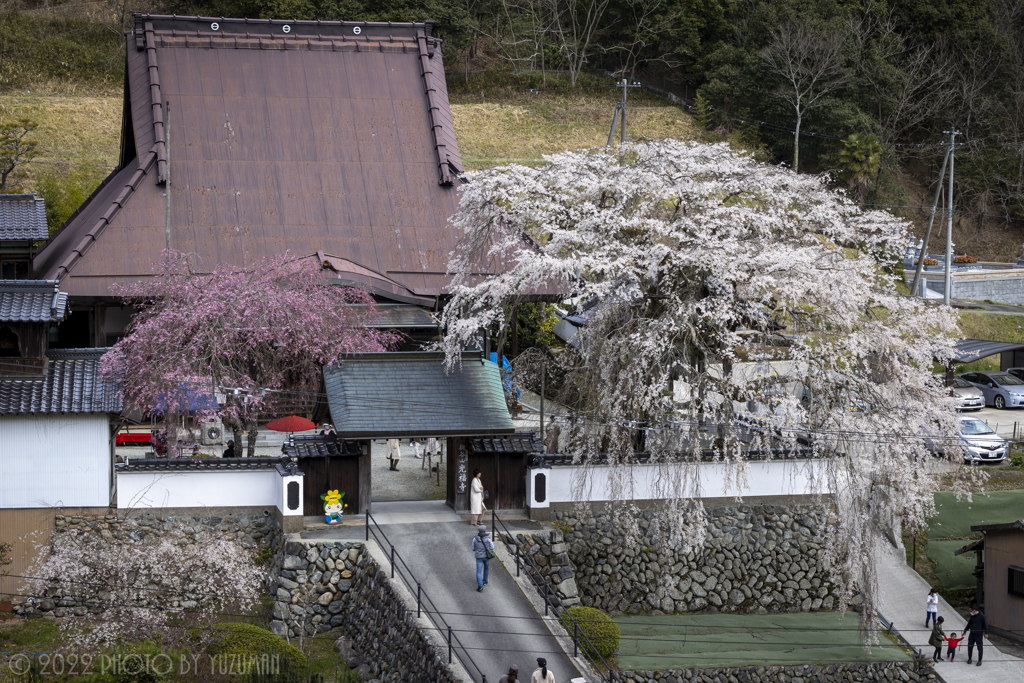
525, 442
32, 301
970, 350
22, 217
333, 137
397, 316
72, 384
410, 394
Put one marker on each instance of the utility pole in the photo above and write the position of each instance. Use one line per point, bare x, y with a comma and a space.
949, 218
928, 232
621, 107
543, 374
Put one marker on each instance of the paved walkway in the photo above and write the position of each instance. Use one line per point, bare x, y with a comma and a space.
412, 481
902, 600
499, 626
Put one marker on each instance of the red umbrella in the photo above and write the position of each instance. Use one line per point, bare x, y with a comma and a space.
292, 423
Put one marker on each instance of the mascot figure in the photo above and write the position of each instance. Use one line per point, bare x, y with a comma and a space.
333, 507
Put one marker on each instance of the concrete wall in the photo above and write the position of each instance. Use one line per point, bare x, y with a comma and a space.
654, 482
203, 489
1004, 286
55, 460
208, 489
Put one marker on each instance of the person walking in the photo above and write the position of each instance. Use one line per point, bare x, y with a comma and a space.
476, 498
394, 453
976, 630
542, 675
931, 607
483, 550
512, 676
936, 639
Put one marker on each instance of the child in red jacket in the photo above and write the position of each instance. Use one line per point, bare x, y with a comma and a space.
952, 641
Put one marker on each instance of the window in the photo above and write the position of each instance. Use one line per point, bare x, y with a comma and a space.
9, 344
1007, 380
13, 270
1015, 582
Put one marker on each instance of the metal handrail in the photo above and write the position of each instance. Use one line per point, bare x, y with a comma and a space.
421, 596
546, 592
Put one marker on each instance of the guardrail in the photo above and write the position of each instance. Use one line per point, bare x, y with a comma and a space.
523, 560
424, 605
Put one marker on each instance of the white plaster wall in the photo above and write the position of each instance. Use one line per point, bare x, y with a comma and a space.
704, 480
51, 460
224, 488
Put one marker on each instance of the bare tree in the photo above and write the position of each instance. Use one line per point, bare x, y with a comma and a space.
646, 22
809, 58
574, 26
16, 151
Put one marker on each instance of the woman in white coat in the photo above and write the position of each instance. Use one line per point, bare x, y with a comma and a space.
476, 499
393, 453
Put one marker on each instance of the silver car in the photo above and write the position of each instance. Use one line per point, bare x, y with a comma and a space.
968, 396
1001, 389
979, 442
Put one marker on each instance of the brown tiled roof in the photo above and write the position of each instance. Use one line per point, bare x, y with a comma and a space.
330, 137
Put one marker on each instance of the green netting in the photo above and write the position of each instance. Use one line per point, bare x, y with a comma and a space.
954, 517
683, 641
953, 571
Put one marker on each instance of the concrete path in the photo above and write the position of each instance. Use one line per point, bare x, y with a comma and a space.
499, 626
902, 601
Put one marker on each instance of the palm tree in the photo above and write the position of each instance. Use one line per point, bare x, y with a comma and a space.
861, 158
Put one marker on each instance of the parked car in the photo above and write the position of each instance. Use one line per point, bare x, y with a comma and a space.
979, 442
1001, 389
1016, 372
968, 396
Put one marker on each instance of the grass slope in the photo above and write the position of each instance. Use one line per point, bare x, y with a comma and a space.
72, 130
683, 641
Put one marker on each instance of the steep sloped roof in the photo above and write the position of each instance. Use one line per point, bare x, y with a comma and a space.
22, 217
411, 394
32, 301
302, 136
72, 384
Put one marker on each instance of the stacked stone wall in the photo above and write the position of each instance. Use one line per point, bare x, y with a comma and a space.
325, 585
755, 559
75, 599
886, 672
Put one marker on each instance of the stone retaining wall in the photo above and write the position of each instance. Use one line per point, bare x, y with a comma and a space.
250, 531
888, 672
757, 558
325, 585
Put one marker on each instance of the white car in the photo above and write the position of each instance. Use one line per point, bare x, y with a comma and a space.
979, 442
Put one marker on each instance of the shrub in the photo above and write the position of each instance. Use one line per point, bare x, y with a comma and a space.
1017, 460
964, 259
248, 640
929, 262
600, 630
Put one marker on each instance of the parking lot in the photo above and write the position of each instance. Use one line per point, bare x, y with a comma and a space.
1002, 421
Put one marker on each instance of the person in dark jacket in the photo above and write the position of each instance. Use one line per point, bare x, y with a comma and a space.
229, 452
977, 631
512, 676
936, 639
481, 544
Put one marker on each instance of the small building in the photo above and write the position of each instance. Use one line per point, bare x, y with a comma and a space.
1000, 575
22, 226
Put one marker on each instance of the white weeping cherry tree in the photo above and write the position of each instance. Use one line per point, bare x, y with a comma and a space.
693, 256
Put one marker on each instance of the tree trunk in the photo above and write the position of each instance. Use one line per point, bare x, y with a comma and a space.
796, 143
253, 433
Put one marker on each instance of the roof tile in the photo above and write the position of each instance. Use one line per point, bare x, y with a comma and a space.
22, 217
32, 301
72, 384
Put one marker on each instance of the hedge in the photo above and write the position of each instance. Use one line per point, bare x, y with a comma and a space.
601, 632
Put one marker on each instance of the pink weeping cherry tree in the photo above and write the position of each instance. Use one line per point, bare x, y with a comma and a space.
257, 336
729, 305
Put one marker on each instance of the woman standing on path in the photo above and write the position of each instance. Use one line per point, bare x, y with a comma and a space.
476, 499
935, 640
542, 675
931, 607
394, 453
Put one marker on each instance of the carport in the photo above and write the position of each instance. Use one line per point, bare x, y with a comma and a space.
403, 395
1011, 355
